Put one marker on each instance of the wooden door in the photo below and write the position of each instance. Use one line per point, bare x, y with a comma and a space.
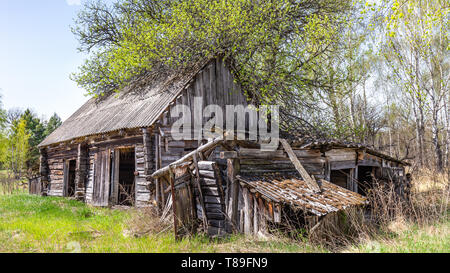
115, 164
66, 178
102, 178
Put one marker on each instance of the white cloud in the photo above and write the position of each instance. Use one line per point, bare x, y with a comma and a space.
73, 2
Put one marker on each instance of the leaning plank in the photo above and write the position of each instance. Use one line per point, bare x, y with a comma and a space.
311, 183
187, 157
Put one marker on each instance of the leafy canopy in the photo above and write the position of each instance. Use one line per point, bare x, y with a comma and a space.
273, 44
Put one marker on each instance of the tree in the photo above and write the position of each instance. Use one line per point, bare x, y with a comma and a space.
275, 45
416, 53
17, 149
53, 123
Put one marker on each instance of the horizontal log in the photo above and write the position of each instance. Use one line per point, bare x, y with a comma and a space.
206, 165
215, 216
339, 165
213, 191
212, 199
217, 223
229, 155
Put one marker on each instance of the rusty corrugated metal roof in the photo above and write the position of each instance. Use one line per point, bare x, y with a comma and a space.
290, 189
131, 108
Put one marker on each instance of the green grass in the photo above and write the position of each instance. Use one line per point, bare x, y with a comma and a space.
429, 239
31, 223
50, 224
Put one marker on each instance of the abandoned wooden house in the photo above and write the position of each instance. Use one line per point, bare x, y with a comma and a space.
240, 187
118, 150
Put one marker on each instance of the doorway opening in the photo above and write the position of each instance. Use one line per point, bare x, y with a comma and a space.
72, 164
365, 179
126, 176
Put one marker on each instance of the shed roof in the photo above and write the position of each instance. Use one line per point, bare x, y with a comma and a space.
291, 190
136, 106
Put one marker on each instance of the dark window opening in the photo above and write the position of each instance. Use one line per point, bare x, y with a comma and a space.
71, 178
340, 177
365, 179
126, 177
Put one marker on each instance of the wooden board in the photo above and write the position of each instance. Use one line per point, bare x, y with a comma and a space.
311, 182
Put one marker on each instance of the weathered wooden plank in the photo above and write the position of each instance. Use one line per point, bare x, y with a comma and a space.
233, 167
311, 182
205, 165
277, 213
340, 165
212, 199
255, 215
248, 211
189, 156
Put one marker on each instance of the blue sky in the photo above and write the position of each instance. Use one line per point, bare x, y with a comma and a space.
37, 55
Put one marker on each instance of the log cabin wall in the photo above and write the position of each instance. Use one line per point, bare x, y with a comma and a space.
255, 161
56, 156
142, 192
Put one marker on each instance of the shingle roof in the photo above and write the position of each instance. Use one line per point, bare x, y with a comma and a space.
130, 108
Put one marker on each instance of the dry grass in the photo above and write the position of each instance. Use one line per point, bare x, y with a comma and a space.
390, 216
145, 221
10, 185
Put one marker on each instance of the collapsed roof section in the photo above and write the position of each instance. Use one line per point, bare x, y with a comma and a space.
294, 191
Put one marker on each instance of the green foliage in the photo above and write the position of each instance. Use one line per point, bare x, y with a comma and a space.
19, 140
53, 123
16, 150
273, 43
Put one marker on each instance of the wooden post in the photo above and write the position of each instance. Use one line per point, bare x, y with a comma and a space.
355, 186
233, 167
44, 171
255, 215
350, 180
262, 216
81, 171
327, 171
174, 202
248, 210
159, 204
146, 137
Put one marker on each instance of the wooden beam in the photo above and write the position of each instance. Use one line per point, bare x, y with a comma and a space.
146, 135
229, 155
159, 204
248, 211
187, 157
312, 184
233, 167
174, 202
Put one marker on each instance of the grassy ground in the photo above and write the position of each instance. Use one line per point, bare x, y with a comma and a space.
50, 224
409, 239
